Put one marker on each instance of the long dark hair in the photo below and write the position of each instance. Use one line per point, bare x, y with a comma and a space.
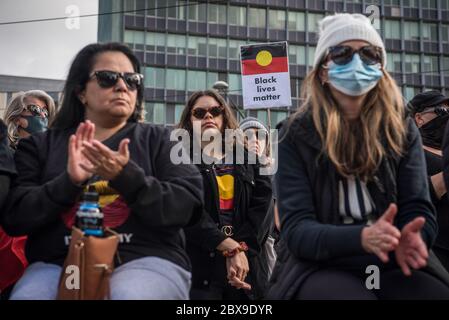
72, 110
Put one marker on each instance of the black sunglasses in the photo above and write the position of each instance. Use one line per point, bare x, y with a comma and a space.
37, 110
342, 55
200, 113
439, 110
108, 79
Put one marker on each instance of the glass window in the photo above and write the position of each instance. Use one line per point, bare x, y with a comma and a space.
140, 7
411, 3
311, 55
276, 19
391, 2
128, 36
234, 48
296, 21
179, 108
445, 4
257, 18
158, 8
176, 10
222, 48
176, 79
237, 16
410, 92
197, 46
412, 63
392, 29
212, 77
445, 33
429, 4
213, 48
312, 21
297, 55
431, 64
157, 40
411, 31
196, 80
176, 44
445, 65
394, 62
154, 77
430, 32
235, 82
197, 12
217, 14
217, 48
129, 6
155, 112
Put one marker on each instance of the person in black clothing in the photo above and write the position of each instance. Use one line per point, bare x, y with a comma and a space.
7, 171
144, 196
257, 140
431, 113
445, 149
236, 197
351, 182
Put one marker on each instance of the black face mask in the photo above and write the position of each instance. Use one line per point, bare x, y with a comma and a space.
432, 132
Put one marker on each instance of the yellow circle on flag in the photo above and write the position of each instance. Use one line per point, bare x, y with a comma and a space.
264, 58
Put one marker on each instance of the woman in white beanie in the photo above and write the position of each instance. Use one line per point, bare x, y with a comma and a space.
353, 198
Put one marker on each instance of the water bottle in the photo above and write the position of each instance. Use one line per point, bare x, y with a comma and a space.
89, 217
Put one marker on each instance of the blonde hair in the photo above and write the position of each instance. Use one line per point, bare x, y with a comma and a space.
357, 148
17, 105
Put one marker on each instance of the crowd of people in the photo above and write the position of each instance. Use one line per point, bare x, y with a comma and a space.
361, 181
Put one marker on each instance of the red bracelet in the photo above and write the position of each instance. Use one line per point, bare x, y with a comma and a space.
241, 248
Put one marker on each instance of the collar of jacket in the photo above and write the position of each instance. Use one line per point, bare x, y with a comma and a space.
382, 188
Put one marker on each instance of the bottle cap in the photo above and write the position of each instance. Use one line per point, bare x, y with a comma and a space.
90, 195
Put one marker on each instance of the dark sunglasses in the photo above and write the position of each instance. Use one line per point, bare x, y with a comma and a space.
342, 55
107, 79
200, 113
37, 110
439, 110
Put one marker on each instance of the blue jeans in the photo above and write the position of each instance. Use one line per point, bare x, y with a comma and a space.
148, 278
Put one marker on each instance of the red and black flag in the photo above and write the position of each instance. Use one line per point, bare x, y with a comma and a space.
264, 58
265, 75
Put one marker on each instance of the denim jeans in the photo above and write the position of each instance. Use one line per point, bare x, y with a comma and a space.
149, 278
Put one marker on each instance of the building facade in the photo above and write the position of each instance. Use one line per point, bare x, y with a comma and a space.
189, 45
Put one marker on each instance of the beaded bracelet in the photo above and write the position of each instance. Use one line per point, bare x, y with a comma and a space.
230, 253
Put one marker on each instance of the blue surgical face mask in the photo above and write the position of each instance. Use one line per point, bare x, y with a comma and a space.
35, 124
355, 78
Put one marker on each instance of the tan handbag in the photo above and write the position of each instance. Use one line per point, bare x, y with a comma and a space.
94, 257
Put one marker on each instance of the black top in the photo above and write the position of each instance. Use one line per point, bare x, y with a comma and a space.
435, 165
308, 198
147, 203
7, 167
252, 197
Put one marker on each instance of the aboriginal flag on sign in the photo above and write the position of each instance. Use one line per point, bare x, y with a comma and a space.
264, 58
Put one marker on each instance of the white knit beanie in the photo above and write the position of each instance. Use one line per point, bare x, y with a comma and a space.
343, 27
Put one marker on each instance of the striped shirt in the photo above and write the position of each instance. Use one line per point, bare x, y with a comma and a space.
355, 203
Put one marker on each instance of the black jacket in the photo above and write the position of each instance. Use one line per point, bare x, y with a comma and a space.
446, 158
252, 196
307, 189
7, 167
151, 200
